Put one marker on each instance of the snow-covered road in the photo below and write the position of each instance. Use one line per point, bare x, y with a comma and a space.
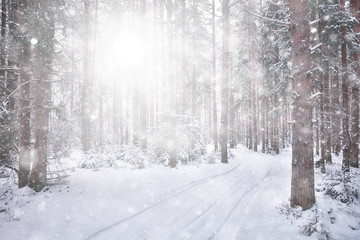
219, 201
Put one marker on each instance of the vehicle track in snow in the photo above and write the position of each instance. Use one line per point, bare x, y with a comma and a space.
205, 224
224, 194
165, 197
217, 232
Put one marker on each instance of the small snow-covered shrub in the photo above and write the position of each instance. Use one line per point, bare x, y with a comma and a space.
189, 142
132, 156
315, 225
343, 188
4, 172
13, 199
113, 156
289, 212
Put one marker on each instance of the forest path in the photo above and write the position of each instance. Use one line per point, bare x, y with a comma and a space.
239, 203
210, 201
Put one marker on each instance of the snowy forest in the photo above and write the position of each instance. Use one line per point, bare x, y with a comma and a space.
179, 119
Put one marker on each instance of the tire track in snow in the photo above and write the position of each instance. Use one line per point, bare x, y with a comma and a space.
199, 181
215, 234
211, 205
168, 196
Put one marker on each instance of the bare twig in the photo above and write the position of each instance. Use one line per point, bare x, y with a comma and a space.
268, 19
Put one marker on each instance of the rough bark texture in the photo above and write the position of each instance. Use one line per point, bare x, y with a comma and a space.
336, 116
5, 140
263, 98
324, 37
354, 159
225, 84
275, 119
43, 56
302, 181
24, 64
345, 96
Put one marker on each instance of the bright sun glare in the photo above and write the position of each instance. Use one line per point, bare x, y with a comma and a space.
127, 49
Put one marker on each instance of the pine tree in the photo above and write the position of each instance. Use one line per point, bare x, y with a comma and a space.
302, 180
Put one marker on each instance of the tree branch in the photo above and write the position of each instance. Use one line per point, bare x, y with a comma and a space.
268, 19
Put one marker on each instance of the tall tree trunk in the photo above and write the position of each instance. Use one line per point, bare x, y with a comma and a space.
5, 136
253, 84
276, 145
225, 83
324, 37
317, 132
25, 66
263, 98
183, 57
336, 116
322, 125
214, 100
86, 92
345, 96
172, 90
354, 158
115, 113
194, 59
232, 113
143, 87
43, 57
302, 179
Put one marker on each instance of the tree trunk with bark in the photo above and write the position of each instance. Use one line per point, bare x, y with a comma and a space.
45, 32
172, 90
253, 84
214, 100
5, 137
225, 83
302, 179
25, 67
354, 158
345, 96
86, 91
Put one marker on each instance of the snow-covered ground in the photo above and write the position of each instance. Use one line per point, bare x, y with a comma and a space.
239, 200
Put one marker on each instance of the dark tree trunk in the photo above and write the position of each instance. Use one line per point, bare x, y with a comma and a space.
25, 65
302, 181
354, 158
324, 37
276, 137
336, 116
263, 98
5, 137
317, 133
345, 96
43, 57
